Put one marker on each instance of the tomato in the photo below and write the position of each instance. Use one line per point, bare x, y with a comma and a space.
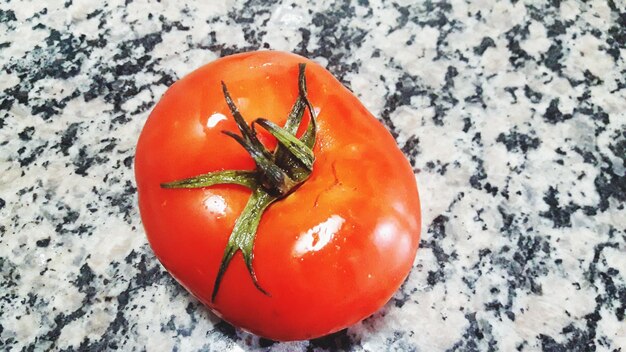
328, 252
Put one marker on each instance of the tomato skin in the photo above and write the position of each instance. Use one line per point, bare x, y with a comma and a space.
331, 253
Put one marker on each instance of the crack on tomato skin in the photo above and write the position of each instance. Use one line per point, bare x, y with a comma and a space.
335, 183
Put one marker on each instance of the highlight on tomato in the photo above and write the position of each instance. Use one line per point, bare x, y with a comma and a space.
270, 193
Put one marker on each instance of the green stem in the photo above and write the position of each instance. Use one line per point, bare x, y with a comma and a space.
242, 178
248, 134
274, 178
295, 146
243, 235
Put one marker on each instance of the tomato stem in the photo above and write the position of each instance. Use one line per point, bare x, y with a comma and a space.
277, 174
242, 178
243, 235
274, 178
289, 141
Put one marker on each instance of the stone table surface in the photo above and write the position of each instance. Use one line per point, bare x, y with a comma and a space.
512, 114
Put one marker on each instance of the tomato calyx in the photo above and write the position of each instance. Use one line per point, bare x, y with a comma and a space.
277, 174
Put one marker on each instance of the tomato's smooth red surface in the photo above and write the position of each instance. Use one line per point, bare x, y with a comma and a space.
331, 253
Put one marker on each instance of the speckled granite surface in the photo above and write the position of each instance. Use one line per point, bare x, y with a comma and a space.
512, 114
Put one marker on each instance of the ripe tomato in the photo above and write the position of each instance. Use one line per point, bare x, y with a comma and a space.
329, 253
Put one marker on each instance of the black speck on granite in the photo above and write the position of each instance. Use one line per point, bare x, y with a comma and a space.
511, 113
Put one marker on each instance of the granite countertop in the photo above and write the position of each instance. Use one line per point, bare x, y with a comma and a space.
512, 114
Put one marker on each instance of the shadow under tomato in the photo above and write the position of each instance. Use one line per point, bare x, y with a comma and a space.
343, 340
339, 341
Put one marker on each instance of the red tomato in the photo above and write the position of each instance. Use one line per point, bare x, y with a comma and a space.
330, 253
